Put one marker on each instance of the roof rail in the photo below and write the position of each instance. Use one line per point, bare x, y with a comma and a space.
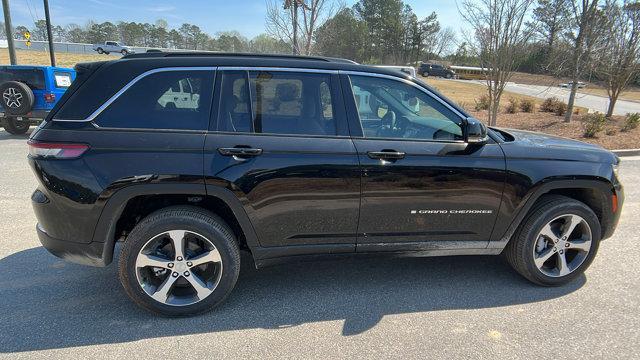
159, 53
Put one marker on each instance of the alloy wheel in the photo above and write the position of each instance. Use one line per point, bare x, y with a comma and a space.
562, 245
12, 98
178, 267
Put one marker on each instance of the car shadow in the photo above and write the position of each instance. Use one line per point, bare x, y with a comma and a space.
51, 304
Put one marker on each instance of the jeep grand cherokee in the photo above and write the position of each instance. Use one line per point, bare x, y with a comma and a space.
188, 158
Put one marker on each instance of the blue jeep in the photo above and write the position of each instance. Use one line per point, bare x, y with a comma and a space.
29, 92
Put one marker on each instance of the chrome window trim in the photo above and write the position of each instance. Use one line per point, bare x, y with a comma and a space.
115, 96
408, 82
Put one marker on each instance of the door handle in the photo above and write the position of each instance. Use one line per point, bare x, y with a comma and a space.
240, 151
386, 154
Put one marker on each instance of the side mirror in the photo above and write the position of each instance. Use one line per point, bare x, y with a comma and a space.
476, 132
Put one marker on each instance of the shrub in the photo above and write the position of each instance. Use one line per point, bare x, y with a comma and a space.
631, 122
482, 103
553, 105
512, 106
527, 105
593, 124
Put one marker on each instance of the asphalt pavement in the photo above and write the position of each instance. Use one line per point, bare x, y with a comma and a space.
450, 307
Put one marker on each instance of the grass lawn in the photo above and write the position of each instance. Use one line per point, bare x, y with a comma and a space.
26, 57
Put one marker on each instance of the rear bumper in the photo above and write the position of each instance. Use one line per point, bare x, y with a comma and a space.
33, 115
79, 253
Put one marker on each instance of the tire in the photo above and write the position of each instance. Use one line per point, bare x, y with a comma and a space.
124, 52
100, 51
528, 241
199, 224
448, 76
15, 127
16, 98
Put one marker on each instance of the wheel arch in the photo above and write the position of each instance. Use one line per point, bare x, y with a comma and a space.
594, 192
120, 215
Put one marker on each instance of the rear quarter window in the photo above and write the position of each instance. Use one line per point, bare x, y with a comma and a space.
62, 79
156, 102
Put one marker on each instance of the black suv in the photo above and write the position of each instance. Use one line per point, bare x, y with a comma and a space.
188, 158
436, 70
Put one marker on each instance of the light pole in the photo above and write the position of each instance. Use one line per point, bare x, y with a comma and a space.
49, 35
9, 31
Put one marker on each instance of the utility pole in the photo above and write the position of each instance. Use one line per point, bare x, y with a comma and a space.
9, 32
49, 35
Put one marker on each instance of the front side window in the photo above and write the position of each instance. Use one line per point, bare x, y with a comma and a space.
163, 100
272, 102
395, 110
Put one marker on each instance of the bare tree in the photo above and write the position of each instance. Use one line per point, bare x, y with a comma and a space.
500, 38
618, 63
445, 39
585, 17
295, 21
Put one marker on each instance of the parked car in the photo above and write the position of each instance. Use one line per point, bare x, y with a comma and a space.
570, 84
29, 93
112, 46
274, 156
436, 70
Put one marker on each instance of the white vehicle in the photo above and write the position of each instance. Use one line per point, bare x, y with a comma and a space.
409, 70
180, 96
112, 46
570, 83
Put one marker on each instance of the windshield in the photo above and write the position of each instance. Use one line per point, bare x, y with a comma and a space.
34, 78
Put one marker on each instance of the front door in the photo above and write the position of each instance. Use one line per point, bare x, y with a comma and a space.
281, 144
423, 187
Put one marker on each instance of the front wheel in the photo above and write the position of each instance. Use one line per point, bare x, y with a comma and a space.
556, 242
179, 261
124, 52
15, 127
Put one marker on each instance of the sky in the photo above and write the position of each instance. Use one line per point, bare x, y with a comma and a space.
212, 16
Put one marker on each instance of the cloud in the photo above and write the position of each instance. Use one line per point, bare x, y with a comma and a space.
162, 8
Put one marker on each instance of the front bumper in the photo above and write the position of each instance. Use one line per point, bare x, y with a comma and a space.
79, 253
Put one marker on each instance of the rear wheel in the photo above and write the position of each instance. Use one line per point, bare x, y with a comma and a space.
556, 243
179, 261
100, 51
15, 127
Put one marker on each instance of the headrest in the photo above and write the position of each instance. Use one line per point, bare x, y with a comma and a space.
287, 92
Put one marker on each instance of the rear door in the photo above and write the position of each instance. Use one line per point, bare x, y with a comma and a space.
422, 186
281, 144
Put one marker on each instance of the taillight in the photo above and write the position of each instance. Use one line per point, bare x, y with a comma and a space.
49, 97
56, 150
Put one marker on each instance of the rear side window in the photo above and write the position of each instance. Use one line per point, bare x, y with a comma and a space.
163, 100
33, 78
62, 79
272, 102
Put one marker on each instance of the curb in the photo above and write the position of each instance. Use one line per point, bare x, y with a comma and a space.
627, 152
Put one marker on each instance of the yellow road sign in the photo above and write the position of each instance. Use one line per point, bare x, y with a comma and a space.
28, 43
27, 35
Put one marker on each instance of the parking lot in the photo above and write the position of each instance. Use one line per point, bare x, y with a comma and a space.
450, 307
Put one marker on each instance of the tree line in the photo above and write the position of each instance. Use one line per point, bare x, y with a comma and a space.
156, 35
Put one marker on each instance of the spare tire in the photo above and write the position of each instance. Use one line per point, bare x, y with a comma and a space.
16, 98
